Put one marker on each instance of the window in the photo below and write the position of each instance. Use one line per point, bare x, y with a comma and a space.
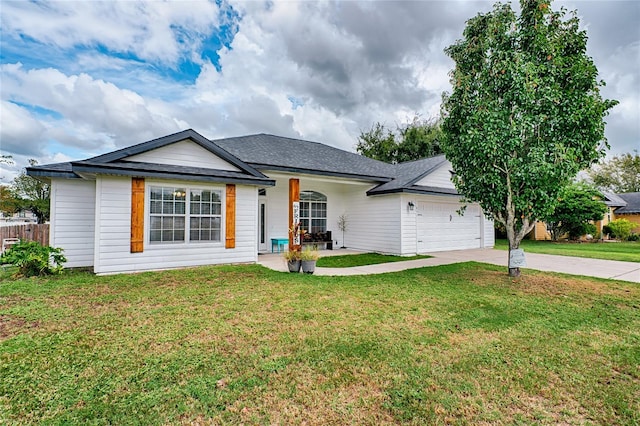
173, 215
313, 211
205, 215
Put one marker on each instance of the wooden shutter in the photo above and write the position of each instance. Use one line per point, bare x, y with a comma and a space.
230, 217
137, 215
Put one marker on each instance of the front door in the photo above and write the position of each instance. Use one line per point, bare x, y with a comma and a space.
262, 225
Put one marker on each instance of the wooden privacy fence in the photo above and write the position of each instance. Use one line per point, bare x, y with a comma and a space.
29, 232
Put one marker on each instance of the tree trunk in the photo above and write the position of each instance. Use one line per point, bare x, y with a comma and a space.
513, 272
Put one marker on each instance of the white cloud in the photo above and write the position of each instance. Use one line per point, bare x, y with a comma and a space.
156, 31
352, 63
20, 132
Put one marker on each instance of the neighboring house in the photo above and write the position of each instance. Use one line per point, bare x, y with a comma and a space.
630, 210
23, 216
619, 206
613, 202
183, 200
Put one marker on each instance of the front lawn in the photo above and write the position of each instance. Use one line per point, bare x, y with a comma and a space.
625, 251
351, 260
459, 344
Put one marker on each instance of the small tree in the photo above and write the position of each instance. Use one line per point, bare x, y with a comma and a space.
578, 204
525, 115
621, 228
33, 193
620, 174
342, 225
8, 203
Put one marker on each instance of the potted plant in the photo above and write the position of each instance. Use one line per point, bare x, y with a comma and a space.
309, 256
293, 260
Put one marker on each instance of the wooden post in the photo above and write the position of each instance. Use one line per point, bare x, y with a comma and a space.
137, 215
230, 217
294, 196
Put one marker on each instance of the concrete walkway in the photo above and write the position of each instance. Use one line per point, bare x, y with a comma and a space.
613, 269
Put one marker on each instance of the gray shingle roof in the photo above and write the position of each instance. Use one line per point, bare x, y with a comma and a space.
633, 203
407, 174
269, 152
253, 154
613, 200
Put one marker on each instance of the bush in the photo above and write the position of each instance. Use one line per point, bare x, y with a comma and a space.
34, 259
634, 237
621, 228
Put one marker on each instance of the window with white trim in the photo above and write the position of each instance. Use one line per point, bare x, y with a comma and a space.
178, 213
313, 211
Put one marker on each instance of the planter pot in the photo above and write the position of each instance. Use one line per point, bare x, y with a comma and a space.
308, 266
294, 265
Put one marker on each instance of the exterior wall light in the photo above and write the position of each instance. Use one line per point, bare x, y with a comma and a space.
411, 206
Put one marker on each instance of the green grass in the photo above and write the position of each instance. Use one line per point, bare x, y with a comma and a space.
350, 260
460, 344
625, 251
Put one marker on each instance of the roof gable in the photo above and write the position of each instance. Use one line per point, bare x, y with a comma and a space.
183, 153
154, 144
154, 159
413, 176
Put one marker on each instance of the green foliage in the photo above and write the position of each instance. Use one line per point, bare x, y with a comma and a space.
413, 140
578, 204
619, 175
291, 255
309, 253
621, 228
525, 115
34, 259
9, 204
33, 194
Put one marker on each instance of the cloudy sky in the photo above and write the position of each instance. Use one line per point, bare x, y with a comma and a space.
80, 78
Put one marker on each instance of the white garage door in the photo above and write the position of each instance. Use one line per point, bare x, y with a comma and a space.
440, 227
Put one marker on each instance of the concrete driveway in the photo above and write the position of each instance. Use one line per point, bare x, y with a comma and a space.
613, 269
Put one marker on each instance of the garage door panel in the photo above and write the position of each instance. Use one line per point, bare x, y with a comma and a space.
440, 227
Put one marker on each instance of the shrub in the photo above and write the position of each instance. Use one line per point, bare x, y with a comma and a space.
34, 259
291, 255
621, 228
309, 254
634, 237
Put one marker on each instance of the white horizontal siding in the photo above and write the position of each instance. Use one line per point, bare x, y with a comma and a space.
374, 222
72, 220
114, 228
489, 238
408, 230
439, 178
184, 153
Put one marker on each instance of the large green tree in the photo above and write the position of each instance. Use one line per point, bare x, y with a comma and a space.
525, 114
578, 205
33, 194
415, 139
620, 174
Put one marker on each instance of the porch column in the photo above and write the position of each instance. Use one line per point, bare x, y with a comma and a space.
294, 196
